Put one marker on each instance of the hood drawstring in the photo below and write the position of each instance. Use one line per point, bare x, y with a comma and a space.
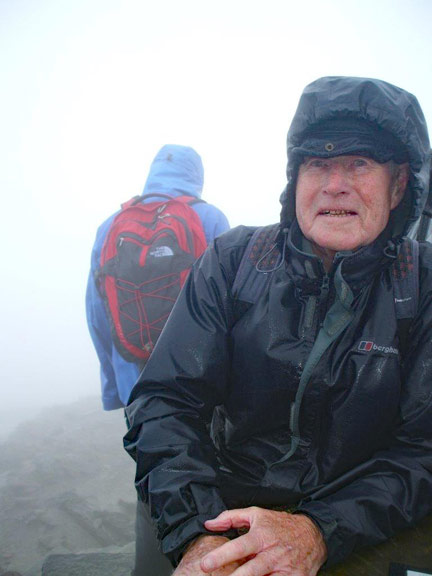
281, 257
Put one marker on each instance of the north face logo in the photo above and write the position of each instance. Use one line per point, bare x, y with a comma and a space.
367, 346
161, 252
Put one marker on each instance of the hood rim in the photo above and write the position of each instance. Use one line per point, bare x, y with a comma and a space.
396, 111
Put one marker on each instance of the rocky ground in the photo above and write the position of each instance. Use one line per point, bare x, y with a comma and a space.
66, 485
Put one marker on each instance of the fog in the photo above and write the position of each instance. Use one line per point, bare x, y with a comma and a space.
91, 89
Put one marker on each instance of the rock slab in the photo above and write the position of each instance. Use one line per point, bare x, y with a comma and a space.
96, 564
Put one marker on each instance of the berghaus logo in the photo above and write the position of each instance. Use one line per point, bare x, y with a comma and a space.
368, 346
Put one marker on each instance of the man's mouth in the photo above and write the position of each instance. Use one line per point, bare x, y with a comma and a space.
337, 213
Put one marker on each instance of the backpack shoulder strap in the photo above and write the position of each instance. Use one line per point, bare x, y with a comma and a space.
190, 200
185, 199
259, 260
131, 202
405, 278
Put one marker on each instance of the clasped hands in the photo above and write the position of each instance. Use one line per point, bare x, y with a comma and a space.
276, 544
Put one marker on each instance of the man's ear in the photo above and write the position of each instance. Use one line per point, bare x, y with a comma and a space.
399, 185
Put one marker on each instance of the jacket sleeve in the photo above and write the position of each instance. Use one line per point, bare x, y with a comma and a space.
172, 404
393, 490
213, 220
99, 328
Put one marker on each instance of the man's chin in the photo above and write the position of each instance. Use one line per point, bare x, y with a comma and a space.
341, 245
327, 250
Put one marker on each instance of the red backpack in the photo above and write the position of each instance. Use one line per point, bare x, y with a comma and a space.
146, 257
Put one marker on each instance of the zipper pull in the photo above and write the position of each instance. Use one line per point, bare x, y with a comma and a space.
324, 287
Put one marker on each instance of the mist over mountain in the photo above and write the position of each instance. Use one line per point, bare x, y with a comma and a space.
66, 486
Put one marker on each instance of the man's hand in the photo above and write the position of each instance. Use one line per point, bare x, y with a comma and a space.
277, 543
190, 564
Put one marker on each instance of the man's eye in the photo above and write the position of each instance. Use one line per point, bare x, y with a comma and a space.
359, 162
316, 163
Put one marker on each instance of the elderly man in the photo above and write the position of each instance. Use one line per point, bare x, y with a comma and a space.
320, 416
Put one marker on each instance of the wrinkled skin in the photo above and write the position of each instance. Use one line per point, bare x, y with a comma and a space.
343, 203
191, 561
276, 544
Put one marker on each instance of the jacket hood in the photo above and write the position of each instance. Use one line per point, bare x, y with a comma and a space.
176, 170
384, 106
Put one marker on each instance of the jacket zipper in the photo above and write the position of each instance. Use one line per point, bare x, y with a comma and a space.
324, 299
305, 377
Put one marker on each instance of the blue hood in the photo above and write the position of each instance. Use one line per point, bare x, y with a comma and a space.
176, 170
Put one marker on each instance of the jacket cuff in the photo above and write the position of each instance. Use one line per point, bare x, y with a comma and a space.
324, 518
175, 543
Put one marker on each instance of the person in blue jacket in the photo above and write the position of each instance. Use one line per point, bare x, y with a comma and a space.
176, 170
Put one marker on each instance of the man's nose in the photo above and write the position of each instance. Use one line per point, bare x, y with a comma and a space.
336, 180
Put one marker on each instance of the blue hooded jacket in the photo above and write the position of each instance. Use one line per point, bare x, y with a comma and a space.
175, 171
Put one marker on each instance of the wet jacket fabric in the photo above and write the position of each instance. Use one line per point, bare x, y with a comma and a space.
313, 404
175, 171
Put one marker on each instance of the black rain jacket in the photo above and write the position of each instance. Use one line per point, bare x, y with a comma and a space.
303, 413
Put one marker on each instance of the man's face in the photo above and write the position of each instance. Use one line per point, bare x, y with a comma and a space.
343, 203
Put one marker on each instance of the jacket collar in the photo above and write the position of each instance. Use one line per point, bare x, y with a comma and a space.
357, 267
